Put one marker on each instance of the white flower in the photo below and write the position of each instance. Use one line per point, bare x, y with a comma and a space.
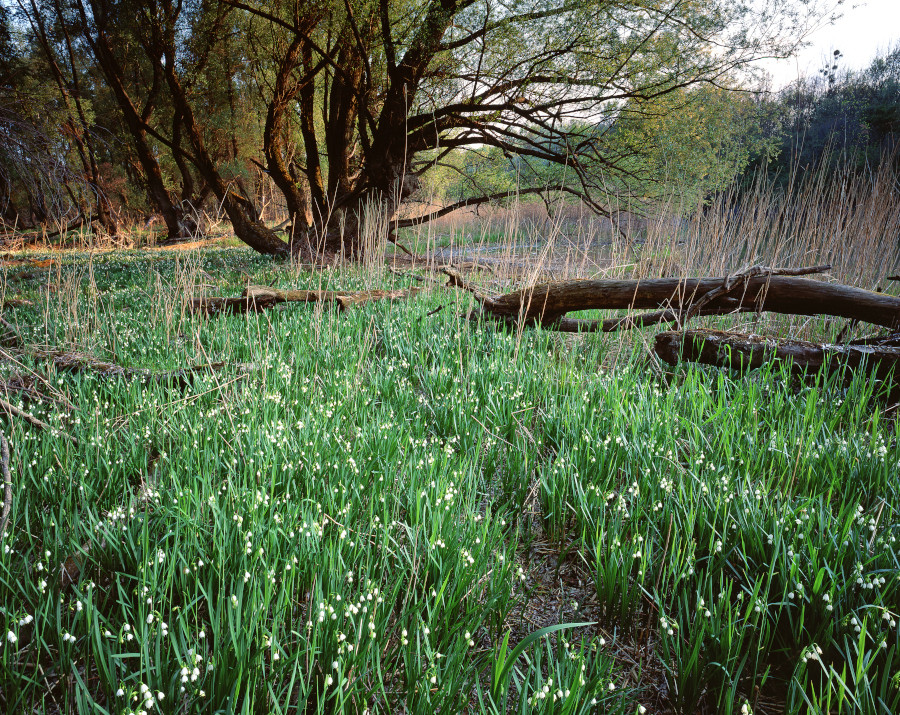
11, 637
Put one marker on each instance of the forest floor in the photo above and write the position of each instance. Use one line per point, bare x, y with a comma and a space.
392, 508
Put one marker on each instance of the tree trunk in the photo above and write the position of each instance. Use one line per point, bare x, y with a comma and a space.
246, 227
273, 140
104, 207
135, 122
187, 180
9, 214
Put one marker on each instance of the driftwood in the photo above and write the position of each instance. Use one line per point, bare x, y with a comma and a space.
745, 352
677, 300
258, 298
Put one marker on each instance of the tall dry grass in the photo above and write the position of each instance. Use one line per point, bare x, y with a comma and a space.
849, 220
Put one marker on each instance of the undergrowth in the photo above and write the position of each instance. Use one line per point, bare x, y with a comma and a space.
335, 521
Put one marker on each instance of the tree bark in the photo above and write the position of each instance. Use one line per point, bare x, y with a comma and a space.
746, 352
273, 139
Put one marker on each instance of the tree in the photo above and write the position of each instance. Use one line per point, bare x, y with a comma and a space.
51, 30
362, 97
838, 120
44, 173
98, 30
400, 85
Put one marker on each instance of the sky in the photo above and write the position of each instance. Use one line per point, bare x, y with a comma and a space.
866, 27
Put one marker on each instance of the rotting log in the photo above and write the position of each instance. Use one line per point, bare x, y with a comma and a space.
677, 299
258, 298
746, 352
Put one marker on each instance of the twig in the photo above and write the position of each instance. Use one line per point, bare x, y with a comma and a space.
60, 396
457, 281
7, 482
34, 421
392, 239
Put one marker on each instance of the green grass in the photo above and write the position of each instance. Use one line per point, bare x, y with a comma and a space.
348, 526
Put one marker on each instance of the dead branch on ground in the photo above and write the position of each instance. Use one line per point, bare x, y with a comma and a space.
73, 361
14, 411
759, 289
258, 298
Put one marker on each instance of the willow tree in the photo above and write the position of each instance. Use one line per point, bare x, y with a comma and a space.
363, 96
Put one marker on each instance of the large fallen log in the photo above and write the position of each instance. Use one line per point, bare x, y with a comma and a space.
758, 289
259, 298
746, 352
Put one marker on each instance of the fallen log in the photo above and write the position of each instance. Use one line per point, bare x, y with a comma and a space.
259, 298
746, 352
758, 289
73, 361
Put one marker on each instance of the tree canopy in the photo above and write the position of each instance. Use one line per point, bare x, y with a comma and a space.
345, 105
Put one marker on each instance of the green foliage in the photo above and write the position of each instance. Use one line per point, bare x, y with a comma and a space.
839, 120
344, 524
696, 141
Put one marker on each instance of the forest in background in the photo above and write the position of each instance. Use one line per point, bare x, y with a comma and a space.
261, 122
